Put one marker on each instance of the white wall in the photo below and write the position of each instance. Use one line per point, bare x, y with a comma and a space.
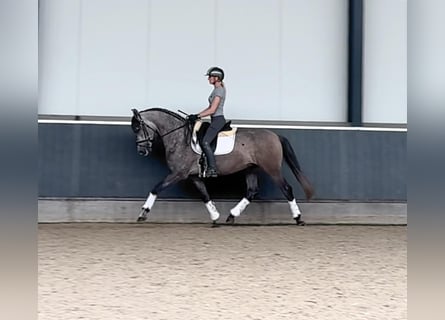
284, 60
385, 61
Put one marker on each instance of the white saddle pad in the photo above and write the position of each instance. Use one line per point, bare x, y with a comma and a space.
224, 143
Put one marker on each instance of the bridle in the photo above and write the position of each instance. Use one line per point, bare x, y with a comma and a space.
145, 126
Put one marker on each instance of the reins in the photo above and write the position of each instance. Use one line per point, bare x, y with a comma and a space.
173, 130
188, 133
187, 124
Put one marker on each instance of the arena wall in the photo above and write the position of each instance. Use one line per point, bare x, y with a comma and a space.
347, 166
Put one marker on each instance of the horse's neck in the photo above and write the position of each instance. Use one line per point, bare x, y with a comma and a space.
166, 125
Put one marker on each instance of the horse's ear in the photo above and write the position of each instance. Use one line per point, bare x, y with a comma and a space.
137, 115
135, 121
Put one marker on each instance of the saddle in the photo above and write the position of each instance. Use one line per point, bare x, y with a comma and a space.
224, 142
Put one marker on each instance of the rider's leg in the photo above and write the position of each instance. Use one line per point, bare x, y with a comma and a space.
211, 162
215, 126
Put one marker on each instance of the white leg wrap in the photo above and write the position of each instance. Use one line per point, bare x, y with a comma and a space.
214, 214
240, 207
294, 208
150, 201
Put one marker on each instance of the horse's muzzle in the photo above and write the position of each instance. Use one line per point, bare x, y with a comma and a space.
144, 151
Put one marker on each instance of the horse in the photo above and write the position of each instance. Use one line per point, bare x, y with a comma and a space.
254, 149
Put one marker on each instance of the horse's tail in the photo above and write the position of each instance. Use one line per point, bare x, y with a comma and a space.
292, 162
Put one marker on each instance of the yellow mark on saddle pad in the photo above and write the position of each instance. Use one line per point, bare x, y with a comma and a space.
197, 126
227, 133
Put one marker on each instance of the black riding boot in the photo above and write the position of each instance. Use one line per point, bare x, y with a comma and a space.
211, 163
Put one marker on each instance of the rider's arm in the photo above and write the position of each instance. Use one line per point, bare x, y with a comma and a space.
211, 109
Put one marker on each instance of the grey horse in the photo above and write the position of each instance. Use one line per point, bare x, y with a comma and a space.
254, 149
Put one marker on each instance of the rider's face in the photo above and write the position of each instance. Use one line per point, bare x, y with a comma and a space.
212, 79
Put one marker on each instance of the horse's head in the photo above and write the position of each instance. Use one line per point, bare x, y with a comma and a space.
145, 131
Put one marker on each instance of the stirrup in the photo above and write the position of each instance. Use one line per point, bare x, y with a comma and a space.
211, 173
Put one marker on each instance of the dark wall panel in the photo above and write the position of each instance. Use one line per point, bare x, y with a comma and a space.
101, 161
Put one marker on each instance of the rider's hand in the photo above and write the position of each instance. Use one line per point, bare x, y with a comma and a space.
193, 117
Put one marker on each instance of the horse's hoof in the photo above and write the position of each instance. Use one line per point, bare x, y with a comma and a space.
143, 215
230, 219
299, 222
214, 224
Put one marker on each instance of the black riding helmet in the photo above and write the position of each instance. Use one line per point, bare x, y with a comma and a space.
216, 72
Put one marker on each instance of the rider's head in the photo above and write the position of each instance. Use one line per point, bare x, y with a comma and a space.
215, 72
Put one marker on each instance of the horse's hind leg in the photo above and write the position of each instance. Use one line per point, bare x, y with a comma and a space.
289, 194
210, 205
252, 190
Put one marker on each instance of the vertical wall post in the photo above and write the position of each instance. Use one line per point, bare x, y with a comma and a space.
355, 62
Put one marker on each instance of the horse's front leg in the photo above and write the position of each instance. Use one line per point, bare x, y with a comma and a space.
252, 190
210, 205
170, 180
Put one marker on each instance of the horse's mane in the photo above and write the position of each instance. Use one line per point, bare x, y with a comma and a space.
171, 113
188, 125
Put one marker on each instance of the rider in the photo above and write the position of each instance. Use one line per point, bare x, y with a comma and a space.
216, 111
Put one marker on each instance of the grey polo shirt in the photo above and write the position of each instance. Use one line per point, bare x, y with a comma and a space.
218, 92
